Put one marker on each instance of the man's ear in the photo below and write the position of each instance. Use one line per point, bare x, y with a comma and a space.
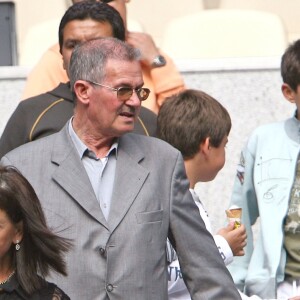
288, 92
82, 89
64, 65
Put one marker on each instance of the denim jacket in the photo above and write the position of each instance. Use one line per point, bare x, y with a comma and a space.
262, 187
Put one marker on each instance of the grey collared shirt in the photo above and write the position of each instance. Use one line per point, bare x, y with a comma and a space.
101, 171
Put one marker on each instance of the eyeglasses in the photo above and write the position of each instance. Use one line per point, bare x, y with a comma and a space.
106, 1
124, 93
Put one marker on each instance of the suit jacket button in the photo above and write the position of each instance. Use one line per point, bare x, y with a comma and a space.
102, 251
109, 287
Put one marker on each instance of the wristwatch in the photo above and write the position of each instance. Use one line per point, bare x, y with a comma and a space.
159, 61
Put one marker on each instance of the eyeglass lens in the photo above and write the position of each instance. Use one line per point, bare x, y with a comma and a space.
124, 93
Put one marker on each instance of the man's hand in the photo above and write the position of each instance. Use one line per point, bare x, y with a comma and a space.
145, 44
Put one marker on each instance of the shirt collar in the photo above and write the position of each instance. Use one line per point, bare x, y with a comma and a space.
195, 196
81, 148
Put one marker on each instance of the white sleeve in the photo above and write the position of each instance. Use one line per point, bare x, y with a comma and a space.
223, 246
224, 249
244, 297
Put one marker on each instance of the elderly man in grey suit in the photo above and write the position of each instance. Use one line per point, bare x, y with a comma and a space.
119, 195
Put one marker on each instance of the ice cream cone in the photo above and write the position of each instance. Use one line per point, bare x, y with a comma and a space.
234, 214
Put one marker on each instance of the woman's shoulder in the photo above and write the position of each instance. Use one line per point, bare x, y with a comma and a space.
51, 291
59, 294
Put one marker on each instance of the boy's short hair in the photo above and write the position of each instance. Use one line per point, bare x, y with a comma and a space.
290, 65
185, 120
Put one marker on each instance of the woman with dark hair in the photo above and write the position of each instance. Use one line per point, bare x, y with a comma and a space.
27, 246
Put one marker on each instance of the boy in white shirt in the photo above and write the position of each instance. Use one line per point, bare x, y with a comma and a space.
198, 126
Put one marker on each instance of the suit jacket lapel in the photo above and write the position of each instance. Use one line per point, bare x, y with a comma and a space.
129, 179
72, 177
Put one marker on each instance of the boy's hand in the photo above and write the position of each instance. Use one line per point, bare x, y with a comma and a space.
236, 238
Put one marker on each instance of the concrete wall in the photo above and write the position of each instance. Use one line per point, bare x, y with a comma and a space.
249, 89
31, 13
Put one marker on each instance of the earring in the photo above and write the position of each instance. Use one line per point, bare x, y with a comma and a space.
18, 245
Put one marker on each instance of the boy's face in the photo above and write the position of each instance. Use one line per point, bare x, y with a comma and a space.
215, 160
292, 96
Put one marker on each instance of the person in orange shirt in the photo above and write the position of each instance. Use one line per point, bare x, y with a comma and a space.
159, 71
47, 113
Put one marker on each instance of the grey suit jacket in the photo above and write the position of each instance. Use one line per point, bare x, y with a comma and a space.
125, 256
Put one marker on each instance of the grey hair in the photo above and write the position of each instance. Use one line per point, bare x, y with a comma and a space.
88, 59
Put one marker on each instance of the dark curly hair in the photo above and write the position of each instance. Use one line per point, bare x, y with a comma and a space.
97, 11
